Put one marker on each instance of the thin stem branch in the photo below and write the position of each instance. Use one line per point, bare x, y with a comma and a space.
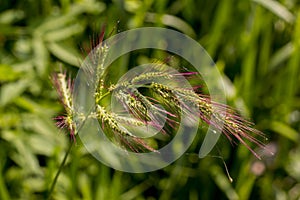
59, 170
102, 96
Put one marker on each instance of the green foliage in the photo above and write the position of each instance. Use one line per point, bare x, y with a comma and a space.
255, 45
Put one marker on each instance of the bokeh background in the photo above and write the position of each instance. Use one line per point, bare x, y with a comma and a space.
255, 44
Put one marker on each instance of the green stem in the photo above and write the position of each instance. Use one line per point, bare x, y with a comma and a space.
59, 170
64, 160
101, 97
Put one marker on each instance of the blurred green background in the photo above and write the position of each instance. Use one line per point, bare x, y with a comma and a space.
255, 44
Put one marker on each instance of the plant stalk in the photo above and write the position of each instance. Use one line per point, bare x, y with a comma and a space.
59, 171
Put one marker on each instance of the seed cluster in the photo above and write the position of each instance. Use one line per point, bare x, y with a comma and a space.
64, 89
119, 134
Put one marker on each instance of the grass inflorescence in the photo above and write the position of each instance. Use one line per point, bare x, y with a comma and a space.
164, 87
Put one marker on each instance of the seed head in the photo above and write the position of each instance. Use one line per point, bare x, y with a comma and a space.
64, 88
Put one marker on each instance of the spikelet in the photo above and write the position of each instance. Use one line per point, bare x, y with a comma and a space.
64, 88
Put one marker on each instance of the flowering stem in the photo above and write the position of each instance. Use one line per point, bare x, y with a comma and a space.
59, 170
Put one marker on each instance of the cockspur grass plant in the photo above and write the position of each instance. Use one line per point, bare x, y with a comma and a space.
139, 96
